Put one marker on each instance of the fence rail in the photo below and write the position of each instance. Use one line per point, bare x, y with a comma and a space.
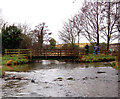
55, 52
25, 52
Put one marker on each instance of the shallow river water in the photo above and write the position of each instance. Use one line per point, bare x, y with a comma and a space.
60, 79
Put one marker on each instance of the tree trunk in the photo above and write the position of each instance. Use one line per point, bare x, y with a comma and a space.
41, 38
108, 35
78, 39
97, 25
98, 39
108, 43
119, 35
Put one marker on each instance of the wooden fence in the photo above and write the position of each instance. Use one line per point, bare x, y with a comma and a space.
25, 52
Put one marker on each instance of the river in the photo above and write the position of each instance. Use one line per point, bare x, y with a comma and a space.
59, 79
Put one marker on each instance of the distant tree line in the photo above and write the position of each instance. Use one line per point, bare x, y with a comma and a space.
96, 20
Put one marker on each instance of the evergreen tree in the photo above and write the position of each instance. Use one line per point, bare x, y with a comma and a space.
11, 37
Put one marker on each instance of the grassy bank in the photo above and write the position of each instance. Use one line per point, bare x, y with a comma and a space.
85, 58
18, 59
99, 58
116, 65
95, 58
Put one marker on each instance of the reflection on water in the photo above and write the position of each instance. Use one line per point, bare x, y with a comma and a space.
51, 64
17, 68
50, 79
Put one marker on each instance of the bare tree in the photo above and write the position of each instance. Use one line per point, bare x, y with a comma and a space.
110, 32
26, 43
25, 28
118, 26
41, 34
118, 21
92, 19
68, 33
77, 24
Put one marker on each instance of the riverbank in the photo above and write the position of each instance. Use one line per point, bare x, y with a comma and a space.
16, 59
95, 58
20, 59
98, 58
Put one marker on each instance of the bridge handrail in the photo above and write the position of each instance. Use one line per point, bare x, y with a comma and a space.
50, 52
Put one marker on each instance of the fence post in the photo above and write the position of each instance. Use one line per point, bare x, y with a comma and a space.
19, 52
6, 51
30, 54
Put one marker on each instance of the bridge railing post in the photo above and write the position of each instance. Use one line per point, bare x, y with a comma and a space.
19, 52
60, 53
30, 54
5, 51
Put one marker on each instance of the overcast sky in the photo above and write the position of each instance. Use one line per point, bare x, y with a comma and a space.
33, 12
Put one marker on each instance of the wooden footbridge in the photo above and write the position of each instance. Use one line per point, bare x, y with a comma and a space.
48, 53
45, 53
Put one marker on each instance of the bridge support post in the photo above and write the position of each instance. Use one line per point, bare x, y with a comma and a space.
60, 54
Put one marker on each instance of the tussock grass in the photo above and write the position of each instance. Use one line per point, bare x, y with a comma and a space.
19, 58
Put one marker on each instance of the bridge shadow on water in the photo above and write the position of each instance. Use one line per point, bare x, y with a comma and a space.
54, 57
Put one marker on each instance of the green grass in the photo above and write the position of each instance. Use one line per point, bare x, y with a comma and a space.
19, 58
96, 58
116, 66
